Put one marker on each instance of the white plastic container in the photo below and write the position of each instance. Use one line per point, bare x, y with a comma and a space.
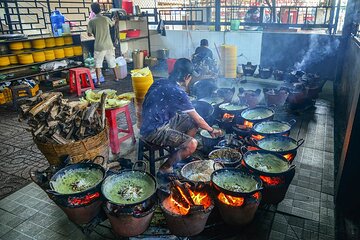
121, 62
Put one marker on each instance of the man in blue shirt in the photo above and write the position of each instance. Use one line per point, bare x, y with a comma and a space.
168, 117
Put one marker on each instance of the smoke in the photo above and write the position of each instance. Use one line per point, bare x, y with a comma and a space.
319, 49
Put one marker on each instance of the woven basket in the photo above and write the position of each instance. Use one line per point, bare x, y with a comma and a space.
88, 148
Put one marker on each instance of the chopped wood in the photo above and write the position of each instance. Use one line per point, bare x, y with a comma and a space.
53, 119
44, 104
102, 109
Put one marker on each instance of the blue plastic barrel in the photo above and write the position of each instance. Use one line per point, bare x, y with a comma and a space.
57, 19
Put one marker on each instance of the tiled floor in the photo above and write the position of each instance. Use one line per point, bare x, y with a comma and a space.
306, 213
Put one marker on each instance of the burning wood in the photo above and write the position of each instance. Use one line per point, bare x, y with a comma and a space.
184, 201
56, 120
228, 117
230, 200
257, 137
289, 156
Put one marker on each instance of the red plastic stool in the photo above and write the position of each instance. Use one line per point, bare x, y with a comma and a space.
80, 80
114, 130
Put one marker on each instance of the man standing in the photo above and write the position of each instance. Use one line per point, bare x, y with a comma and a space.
104, 48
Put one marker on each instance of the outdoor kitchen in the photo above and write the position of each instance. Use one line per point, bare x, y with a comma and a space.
252, 134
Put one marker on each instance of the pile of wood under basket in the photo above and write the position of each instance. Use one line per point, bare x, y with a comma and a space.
53, 119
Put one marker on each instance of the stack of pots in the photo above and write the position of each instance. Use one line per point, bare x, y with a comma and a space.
141, 84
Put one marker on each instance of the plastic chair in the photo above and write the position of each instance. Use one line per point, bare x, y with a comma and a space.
80, 80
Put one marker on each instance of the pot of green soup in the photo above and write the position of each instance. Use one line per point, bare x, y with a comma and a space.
273, 127
267, 164
279, 144
235, 182
130, 190
76, 181
257, 114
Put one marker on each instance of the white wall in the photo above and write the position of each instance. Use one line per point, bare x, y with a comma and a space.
182, 43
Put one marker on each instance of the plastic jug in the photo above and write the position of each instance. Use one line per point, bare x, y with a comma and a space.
57, 20
121, 62
127, 5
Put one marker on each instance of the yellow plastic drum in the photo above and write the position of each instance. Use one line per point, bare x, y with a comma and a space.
38, 43
26, 58
229, 60
49, 55
13, 59
141, 84
59, 53
27, 44
4, 61
39, 57
69, 52
50, 42
59, 41
68, 40
77, 50
16, 46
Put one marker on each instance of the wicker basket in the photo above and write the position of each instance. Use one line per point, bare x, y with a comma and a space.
88, 148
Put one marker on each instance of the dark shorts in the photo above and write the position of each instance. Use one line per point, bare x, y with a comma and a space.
173, 134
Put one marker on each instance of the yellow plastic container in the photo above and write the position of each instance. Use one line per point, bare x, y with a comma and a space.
59, 53
59, 41
38, 43
229, 60
77, 50
26, 58
49, 55
141, 84
69, 52
5, 96
4, 61
50, 42
68, 40
13, 59
122, 35
27, 44
16, 46
39, 57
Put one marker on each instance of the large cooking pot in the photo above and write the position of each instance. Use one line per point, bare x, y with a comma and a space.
265, 72
278, 144
76, 190
230, 108
163, 53
76, 181
248, 69
225, 93
273, 127
266, 163
208, 141
258, 114
200, 170
130, 190
250, 97
235, 182
227, 156
204, 109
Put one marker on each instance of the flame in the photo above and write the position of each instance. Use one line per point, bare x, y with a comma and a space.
248, 124
198, 198
230, 200
83, 200
272, 180
251, 148
289, 156
258, 137
228, 116
256, 195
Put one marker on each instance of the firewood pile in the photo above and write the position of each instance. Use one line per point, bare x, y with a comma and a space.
53, 119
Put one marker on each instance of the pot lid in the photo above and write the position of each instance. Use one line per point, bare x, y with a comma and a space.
271, 127
266, 162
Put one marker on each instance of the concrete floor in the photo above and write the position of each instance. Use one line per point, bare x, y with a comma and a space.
307, 212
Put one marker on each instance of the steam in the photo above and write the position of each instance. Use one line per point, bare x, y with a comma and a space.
319, 49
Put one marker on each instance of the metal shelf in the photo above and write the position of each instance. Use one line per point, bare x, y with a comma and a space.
133, 39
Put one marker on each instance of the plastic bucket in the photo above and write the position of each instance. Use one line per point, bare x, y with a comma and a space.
235, 24
141, 85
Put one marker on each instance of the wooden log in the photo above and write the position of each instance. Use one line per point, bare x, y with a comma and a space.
44, 104
102, 109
